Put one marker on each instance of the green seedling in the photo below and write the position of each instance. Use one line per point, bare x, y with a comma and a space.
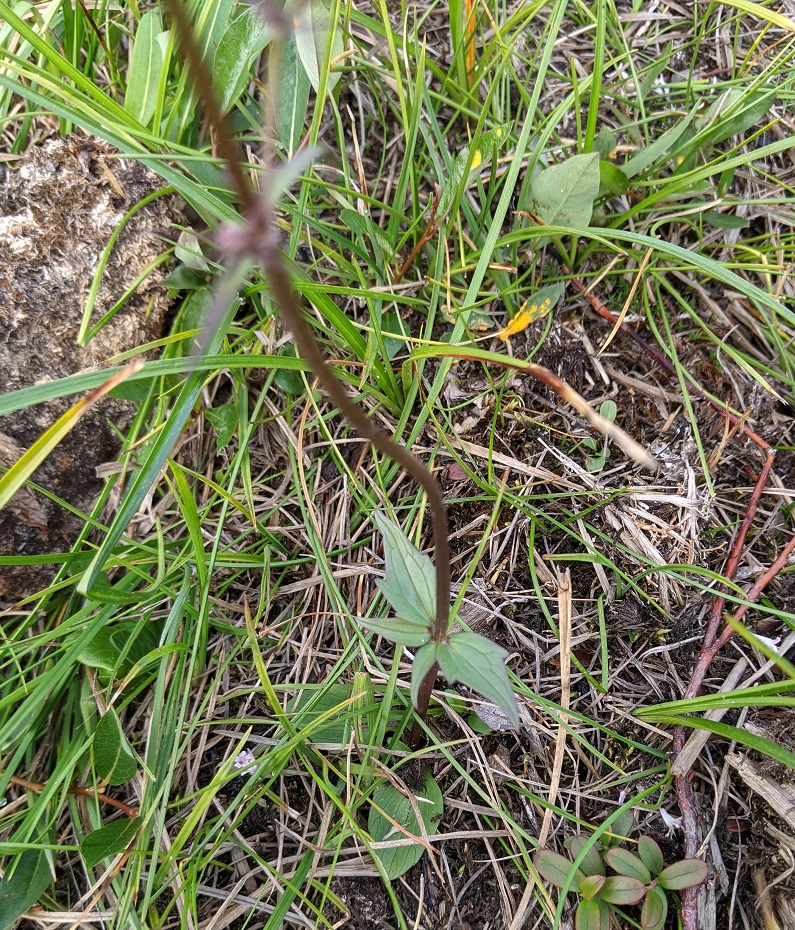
599, 448
410, 589
641, 878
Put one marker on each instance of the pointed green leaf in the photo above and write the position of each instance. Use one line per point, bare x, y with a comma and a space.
292, 97
555, 869
113, 758
613, 178
657, 150
564, 194
241, 44
410, 583
108, 840
687, 873
592, 915
423, 660
627, 863
619, 889
651, 854
312, 32
24, 882
397, 630
398, 808
655, 909
479, 664
146, 65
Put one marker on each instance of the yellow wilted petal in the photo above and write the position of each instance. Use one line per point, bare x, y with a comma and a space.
477, 158
526, 315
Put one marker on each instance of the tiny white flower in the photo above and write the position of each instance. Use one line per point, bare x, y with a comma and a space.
245, 760
672, 824
772, 644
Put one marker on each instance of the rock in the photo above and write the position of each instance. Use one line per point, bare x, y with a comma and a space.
59, 206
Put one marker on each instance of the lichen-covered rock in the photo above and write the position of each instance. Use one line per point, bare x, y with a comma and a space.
59, 206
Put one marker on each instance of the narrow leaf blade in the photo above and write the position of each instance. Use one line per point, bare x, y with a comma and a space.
479, 664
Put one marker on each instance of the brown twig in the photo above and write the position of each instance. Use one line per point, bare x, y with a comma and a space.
256, 239
38, 787
430, 230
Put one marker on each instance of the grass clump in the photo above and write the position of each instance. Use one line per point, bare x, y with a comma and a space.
195, 723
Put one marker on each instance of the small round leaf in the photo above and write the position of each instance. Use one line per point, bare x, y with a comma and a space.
592, 863
655, 909
592, 915
591, 885
619, 889
555, 869
651, 855
627, 863
687, 873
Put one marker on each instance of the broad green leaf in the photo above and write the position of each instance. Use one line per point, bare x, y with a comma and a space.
113, 758
423, 660
223, 420
555, 869
642, 159
292, 98
108, 840
312, 32
397, 630
605, 144
627, 863
468, 161
592, 915
655, 909
410, 583
683, 874
333, 703
398, 808
146, 65
241, 44
564, 194
725, 220
592, 864
24, 882
479, 664
117, 648
591, 885
619, 889
613, 178
651, 854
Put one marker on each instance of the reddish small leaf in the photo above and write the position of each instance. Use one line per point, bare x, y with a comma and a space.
620, 889
684, 874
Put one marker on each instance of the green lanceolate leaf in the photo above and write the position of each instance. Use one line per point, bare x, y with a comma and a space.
293, 98
479, 664
564, 194
24, 883
242, 43
312, 32
391, 807
410, 583
555, 869
397, 630
107, 841
113, 758
684, 874
146, 65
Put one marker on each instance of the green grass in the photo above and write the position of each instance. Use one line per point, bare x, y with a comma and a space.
236, 589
